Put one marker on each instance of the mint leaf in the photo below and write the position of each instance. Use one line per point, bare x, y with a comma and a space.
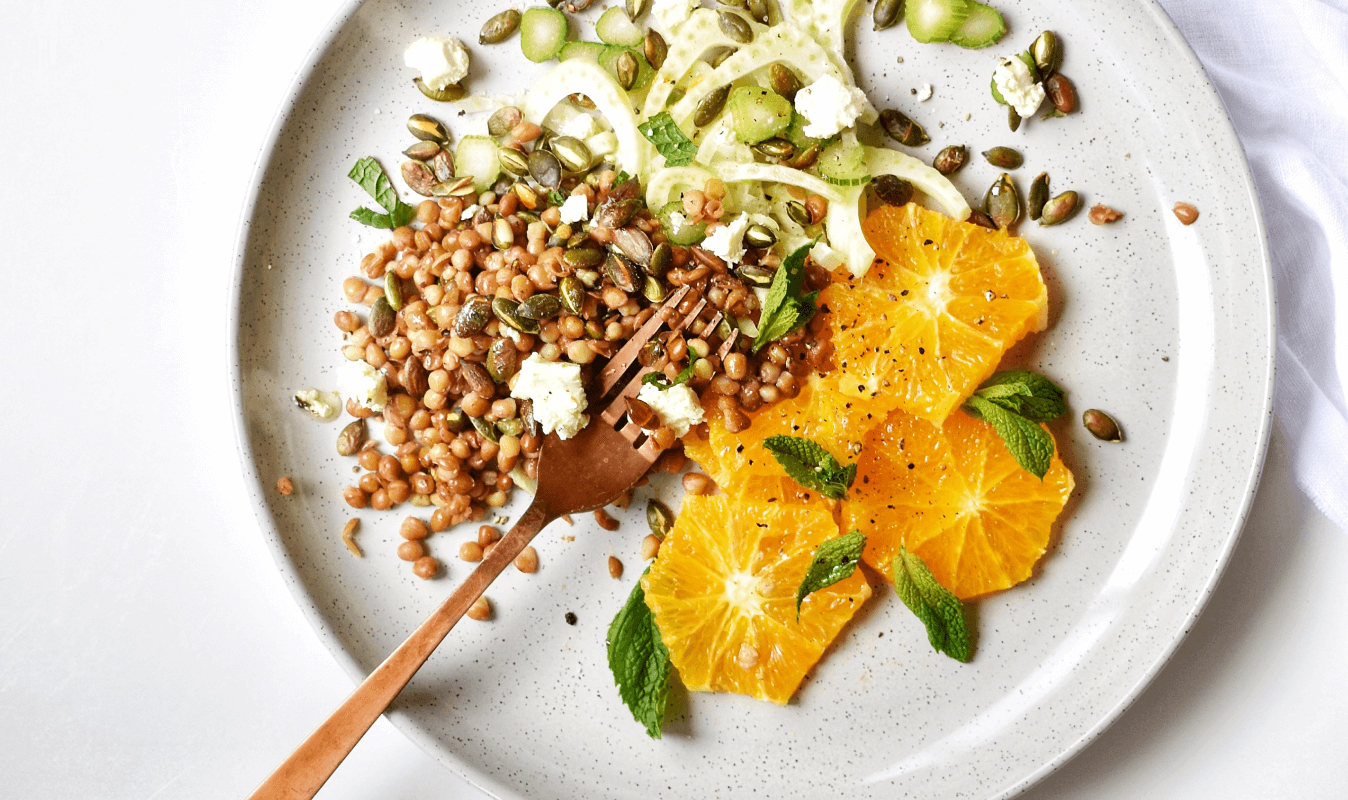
1029, 444
372, 218
811, 465
939, 610
658, 379
785, 309
376, 183
834, 560
640, 662
669, 140
1029, 394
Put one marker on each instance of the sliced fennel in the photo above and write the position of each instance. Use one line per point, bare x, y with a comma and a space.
665, 184
686, 44
591, 80
828, 22
923, 177
843, 223
719, 144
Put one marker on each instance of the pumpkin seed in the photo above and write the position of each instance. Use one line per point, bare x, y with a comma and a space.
1012, 118
528, 197
634, 244
622, 272
951, 159
886, 13
1101, 425
760, 10
1004, 158
636, 9
428, 129
651, 354
982, 220
418, 177
662, 258
711, 106
500, 27
473, 316
502, 360
655, 49
892, 190
580, 100
510, 427
654, 289
1060, 209
1034, 206
393, 290
504, 120
502, 235
594, 330
755, 274
485, 429
659, 518
443, 166
759, 236
448, 94
527, 417
572, 152
540, 307
625, 68
735, 26
902, 129
513, 161
578, 257
461, 187
351, 438
1047, 53
456, 420
798, 213
732, 3
381, 318
1061, 93
717, 55
505, 310
784, 81
545, 168
1002, 202
805, 158
616, 213
413, 377
776, 148
572, 293
422, 151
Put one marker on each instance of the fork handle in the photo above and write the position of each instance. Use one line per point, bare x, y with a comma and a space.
306, 770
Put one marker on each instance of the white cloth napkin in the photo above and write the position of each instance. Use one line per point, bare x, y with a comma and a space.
1282, 69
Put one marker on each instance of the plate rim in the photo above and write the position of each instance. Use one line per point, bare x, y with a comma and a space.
253, 487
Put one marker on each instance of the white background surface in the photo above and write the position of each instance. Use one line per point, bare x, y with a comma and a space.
148, 648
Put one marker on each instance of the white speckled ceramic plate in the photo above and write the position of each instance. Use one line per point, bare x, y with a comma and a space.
1170, 328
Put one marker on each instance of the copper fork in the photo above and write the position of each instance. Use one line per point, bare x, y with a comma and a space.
585, 472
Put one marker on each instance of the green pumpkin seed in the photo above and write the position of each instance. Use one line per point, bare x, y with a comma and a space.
351, 438
545, 168
717, 55
500, 27
711, 106
784, 81
504, 120
572, 152
624, 274
422, 151
1034, 206
951, 159
505, 311
581, 101
473, 316
393, 290
636, 9
886, 13
1061, 93
983, 220
659, 518
502, 235
755, 274
485, 429
513, 161
528, 197
540, 307
1002, 202
443, 166
428, 129
1004, 158
418, 177
892, 190
448, 94
654, 289
625, 68
806, 158
759, 236
456, 420
902, 129
798, 213
735, 26
1047, 53
510, 427
616, 213
635, 244
381, 318
732, 3
1101, 425
572, 294
502, 360
579, 257
1012, 118
655, 49
776, 148
594, 330
760, 10
662, 258
1060, 209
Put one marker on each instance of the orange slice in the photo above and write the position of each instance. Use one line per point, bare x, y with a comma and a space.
723, 592
955, 497
932, 318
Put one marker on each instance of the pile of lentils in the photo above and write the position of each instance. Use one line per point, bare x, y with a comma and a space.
482, 280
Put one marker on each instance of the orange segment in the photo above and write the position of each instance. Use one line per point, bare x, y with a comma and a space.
723, 592
932, 318
956, 498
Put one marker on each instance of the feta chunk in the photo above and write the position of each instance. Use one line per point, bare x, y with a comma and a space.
829, 106
602, 144
677, 406
322, 406
727, 241
580, 126
575, 209
442, 60
924, 94
365, 384
1017, 86
673, 13
557, 394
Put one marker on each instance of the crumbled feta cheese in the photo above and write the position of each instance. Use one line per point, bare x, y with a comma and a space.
924, 94
442, 60
579, 126
365, 384
557, 393
829, 106
727, 241
1017, 86
673, 13
826, 256
677, 406
470, 212
322, 406
575, 209
602, 144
